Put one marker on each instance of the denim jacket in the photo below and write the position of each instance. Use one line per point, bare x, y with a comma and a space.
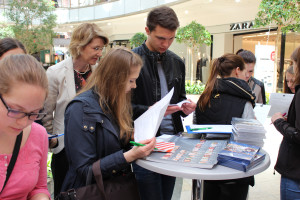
91, 135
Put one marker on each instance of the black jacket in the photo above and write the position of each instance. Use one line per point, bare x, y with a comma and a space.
148, 90
261, 85
90, 136
288, 161
228, 100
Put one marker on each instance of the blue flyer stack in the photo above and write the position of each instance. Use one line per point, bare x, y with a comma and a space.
248, 131
240, 156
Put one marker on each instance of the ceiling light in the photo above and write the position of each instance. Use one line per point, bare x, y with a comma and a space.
210, 0
186, 12
237, 1
108, 24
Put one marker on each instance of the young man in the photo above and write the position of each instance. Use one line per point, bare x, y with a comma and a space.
256, 86
162, 71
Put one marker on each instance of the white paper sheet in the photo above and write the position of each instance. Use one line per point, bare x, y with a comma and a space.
146, 126
261, 112
180, 103
280, 102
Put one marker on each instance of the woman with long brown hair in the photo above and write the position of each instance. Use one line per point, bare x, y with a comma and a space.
288, 160
226, 95
98, 122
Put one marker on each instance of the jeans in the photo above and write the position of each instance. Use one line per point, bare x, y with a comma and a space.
153, 186
289, 189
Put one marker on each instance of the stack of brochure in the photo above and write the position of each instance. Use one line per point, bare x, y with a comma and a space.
240, 156
248, 131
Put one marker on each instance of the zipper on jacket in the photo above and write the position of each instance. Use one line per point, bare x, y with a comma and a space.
242, 89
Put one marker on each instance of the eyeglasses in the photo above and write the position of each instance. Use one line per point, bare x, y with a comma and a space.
19, 114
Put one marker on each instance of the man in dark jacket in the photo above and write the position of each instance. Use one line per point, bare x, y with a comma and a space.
162, 71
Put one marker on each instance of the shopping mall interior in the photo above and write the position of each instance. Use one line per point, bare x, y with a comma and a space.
230, 23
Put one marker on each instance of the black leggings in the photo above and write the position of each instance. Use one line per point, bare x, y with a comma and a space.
59, 167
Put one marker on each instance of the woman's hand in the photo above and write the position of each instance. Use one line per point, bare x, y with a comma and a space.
53, 143
276, 116
140, 151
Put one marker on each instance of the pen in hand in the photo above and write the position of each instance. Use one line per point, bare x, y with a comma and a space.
139, 144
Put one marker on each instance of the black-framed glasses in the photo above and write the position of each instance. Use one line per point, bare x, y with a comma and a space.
19, 114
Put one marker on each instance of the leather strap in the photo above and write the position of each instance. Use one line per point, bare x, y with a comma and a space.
13, 158
98, 177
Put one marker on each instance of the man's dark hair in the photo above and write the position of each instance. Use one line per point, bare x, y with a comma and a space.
248, 56
164, 17
7, 44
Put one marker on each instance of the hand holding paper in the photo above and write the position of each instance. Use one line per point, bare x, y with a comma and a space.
146, 126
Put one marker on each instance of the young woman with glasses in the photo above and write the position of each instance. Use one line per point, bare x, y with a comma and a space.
23, 143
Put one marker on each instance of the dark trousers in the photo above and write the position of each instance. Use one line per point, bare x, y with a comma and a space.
225, 191
59, 167
153, 186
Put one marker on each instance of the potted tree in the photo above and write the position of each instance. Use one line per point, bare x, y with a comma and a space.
193, 35
137, 39
285, 15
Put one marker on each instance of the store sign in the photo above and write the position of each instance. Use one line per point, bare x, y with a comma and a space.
264, 68
241, 26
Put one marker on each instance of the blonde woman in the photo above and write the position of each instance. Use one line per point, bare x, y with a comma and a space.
65, 79
98, 122
23, 90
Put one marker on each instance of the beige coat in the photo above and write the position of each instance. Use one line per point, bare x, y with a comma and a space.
61, 92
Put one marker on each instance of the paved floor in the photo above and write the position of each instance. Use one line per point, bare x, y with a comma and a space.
267, 184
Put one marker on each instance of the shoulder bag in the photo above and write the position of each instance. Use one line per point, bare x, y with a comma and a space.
122, 187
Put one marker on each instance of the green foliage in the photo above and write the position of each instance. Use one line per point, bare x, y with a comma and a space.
193, 35
49, 158
194, 88
33, 23
6, 31
283, 13
137, 39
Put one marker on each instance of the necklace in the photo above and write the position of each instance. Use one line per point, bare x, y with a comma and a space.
82, 73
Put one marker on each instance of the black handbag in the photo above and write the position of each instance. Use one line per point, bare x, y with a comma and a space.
122, 187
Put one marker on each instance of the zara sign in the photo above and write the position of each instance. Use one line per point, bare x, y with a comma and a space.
241, 26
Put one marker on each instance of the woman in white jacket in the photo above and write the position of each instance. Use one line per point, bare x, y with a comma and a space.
65, 80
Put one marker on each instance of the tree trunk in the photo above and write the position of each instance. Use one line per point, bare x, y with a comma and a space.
275, 60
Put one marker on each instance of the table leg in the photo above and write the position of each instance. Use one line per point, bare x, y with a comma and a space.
197, 189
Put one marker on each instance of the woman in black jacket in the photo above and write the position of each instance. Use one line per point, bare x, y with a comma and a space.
225, 96
288, 161
98, 123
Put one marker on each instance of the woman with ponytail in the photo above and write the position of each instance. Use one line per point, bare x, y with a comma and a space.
226, 95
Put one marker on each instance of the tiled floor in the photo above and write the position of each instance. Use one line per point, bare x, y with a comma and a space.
267, 185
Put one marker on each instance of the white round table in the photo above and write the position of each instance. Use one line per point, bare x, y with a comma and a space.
218, 172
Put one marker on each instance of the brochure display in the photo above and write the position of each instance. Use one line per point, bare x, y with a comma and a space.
239, 152
248, 131
242, 166
191, 152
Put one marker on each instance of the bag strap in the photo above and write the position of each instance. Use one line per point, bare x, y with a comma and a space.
98, 178
13, 158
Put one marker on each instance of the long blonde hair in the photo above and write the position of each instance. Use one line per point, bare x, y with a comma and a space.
21, 68
109, 81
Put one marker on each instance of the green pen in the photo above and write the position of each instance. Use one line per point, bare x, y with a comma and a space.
139, 144
198, 129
